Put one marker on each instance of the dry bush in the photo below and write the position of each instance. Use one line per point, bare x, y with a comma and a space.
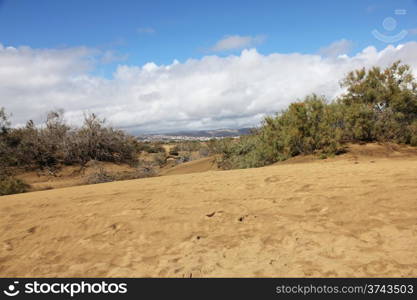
159, 159
94, 141
204, 151
103, 176
100, 176
185, 156
55, 143
141, 172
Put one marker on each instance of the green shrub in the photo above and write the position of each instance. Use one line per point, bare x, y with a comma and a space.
245, 152
311, 126
381, 104
11, 185
359, 123
156, 148
378, 106
174, 151
413, 133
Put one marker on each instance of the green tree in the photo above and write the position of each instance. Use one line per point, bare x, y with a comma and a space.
381, 104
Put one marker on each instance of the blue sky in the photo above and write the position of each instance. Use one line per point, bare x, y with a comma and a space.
235, 61
161, 31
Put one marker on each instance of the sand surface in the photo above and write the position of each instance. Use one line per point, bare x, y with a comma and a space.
197, 166
354, 215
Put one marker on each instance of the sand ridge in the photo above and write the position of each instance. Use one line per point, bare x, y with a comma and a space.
340, 217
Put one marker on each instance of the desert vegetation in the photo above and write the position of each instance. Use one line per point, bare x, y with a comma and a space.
50, 146
54, 143
377, 106
189, 150
149, 147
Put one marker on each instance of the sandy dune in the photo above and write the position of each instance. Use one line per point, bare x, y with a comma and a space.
197, 166
350, 216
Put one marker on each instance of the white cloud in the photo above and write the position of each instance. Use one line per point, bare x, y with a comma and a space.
211, 92
146, 30
341, 47
236, 42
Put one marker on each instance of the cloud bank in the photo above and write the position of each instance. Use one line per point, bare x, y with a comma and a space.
211, 92
337, 48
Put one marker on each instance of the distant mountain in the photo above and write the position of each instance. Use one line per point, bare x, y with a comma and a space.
211, 133
194, 135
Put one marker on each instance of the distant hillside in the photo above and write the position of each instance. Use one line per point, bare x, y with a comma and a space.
196, 134
212, 133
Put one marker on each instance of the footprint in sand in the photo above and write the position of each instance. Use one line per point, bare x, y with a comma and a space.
7, 245
32, 230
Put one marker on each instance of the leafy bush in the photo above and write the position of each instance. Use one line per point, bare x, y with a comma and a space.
174, 151
156, 148
379, 105
11, 185
311, 126
150, 147
245, 153
413, 133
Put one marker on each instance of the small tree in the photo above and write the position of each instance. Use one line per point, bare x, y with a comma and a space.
5, 150
381, 104
4, 121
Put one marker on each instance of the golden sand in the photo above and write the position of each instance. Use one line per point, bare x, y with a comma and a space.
354, 215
